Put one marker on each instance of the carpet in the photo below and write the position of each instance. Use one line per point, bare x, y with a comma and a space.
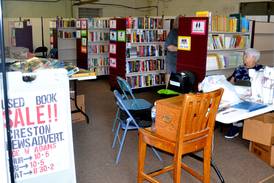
269, 179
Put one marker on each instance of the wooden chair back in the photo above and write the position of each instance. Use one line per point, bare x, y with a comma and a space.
187, 117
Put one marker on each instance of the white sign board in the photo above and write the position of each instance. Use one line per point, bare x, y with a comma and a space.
4, 173
41, 134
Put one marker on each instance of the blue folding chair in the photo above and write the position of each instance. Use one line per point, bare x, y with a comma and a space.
131, 103
128, 122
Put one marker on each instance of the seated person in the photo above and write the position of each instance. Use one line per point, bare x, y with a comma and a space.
250, 58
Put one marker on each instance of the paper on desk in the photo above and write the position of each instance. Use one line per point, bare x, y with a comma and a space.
215, 82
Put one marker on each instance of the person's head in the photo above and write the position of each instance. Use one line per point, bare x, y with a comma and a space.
176, 22
251, 57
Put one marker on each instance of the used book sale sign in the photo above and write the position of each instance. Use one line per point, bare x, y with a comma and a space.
40, 121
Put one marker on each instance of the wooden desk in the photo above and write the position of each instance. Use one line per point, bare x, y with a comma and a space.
74, 79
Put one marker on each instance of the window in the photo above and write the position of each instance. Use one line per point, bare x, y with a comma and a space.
89, 12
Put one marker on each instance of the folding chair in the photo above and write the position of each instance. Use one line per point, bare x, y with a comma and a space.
128, 122
131, 103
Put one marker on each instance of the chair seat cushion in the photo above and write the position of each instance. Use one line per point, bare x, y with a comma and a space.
137, 104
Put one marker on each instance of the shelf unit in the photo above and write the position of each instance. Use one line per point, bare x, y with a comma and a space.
192, 46
231, 35
137, 51
63, 37
264, 41
98, 45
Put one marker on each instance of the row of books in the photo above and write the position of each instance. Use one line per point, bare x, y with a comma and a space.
98, 36
101, 70
146, 80
97, 49
145, 65
144, 22
63, 23
222, 23
222, 41
222, 61
98, 23
98, 61
145, 51
139, 36
66, 34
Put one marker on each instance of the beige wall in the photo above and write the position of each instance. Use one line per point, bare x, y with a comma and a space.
109, 11
13, 9
189, 7
36, 31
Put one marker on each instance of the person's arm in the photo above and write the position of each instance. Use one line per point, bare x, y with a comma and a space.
232, 80
172, 48
171, 41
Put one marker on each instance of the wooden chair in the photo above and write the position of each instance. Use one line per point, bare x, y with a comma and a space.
184, 124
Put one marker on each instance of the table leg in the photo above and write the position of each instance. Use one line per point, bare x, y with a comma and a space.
78, 109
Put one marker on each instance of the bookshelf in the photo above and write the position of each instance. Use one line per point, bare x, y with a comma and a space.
98, 45
81, 43
228, 37
63, 37
53, 34
192, 46
137, 51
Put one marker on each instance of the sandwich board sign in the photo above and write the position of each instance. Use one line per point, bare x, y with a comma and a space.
40, 126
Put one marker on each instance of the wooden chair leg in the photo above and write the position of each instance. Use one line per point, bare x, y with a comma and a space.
177, 167
207, 159
141, 158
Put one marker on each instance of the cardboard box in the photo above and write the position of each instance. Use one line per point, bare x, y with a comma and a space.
260, 129
266, 153
78, 116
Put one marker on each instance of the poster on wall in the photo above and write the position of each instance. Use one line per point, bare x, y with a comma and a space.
78, 34
112, 24
198, 27
40, 122
121, 36
112, 48
83, 33
113, 35
83, 24
112, 62
84, 41
78, 24
184, 43
83, 49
